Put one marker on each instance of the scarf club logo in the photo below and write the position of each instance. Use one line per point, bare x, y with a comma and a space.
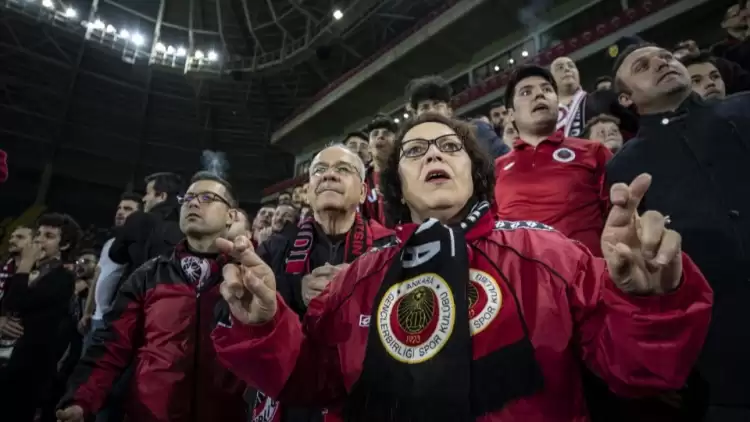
485, 300
416, 318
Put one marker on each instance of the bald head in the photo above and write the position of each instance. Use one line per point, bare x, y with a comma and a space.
565, 72
355, 158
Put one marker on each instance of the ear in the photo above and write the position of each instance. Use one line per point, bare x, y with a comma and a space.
624, 99
231, 217
362, 192
162, 196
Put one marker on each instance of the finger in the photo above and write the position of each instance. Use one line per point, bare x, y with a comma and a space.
669, 248
650, 236
319, 283
257, 287
232, 284
225, 246
625, 200
619, 258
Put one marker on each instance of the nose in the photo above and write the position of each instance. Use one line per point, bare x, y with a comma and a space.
433, 154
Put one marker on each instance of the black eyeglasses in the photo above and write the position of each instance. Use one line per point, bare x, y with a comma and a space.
203, 198
416, 148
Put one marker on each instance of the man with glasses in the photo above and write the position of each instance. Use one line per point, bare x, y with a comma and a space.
306, 260
161, 321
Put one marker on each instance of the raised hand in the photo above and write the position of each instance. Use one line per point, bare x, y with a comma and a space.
70, 414
643, 256
249, 285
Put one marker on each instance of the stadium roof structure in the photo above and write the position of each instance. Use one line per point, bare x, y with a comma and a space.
109, 91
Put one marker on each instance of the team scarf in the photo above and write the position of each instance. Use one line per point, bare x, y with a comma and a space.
432, 353
201, 270
5, 274
374, 208
571, 118
358, 241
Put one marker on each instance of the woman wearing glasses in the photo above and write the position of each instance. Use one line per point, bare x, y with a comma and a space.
467, 318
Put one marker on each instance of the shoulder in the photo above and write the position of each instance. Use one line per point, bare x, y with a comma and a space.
580, 144
380, 233
734, 105
531, 240
629, 155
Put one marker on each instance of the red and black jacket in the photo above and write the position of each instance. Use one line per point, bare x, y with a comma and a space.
161, 323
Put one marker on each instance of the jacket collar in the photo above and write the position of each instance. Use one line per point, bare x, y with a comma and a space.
692, 102
167, 210
555, 138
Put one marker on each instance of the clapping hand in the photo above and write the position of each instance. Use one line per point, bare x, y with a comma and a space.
643, 256
249, 285
314, 283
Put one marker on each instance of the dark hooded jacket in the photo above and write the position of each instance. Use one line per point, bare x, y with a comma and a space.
146, 235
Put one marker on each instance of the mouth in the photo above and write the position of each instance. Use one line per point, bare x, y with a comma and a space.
666, 75
437, 176
540, 107
713, 93
323, 189
193, 215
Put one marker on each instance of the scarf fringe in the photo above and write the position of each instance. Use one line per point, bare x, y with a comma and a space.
371, 406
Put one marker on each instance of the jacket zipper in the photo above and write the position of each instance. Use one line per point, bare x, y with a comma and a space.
196, 354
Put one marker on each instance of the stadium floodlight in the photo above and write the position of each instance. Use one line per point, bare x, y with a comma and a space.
138, 39
338, 14
125, 34
159, 47
497, 68
70, 13
406, 115
111, 29
511, 61
170, 49
49, 4
181, 52
396, 120
525, 53
213, 56
198, 54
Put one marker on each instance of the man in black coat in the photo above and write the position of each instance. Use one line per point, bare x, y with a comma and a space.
698, 154
154, 231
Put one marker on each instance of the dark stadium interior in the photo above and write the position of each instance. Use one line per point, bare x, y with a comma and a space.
103, 122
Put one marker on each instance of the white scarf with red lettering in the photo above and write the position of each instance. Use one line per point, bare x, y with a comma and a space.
570, 117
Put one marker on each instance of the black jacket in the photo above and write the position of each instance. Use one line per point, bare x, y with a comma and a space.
146, 235
699, 157
606, 102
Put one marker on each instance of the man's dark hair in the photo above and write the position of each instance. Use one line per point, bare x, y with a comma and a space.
70, 232
428, 88
618, 85
523, 72
88, 251
381, 121
132, 196
207, 175
602, 79
498, 104
169, 183
698, 58
482, 174
360, 135
602, 118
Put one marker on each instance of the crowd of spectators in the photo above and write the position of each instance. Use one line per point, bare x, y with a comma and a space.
601, 231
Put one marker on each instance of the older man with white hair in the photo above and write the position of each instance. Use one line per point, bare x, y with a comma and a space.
305, 261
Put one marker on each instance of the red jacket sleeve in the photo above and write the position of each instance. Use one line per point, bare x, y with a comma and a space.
290, 361
111, 349
639, 345
602, 157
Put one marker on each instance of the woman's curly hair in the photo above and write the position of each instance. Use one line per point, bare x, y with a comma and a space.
483, 168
